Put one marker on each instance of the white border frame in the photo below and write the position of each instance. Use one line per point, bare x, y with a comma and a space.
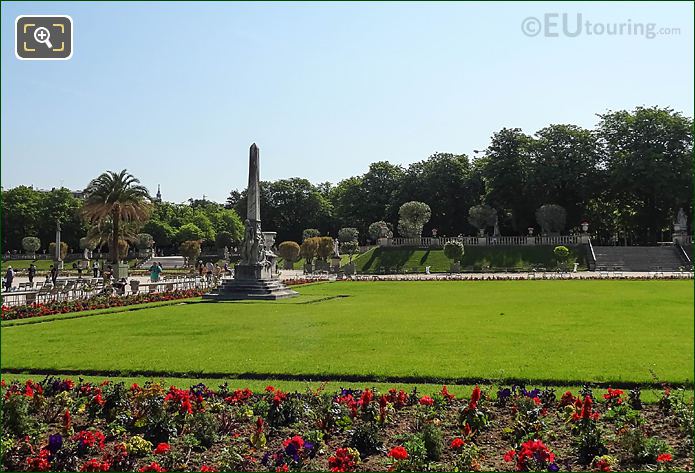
72, 42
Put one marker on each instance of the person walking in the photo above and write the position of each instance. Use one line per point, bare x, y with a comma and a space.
155, 269
54, 274
95, 268
9, 276
31, 273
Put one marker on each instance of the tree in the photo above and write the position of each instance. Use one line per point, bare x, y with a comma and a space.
63, 249
21, 210
453, 250
310, 233
505, 172
309, 248
647, 154
551, 218
144, 241
350, 248
224, 239
347, 234
162, 233
289, 252
190, 250
379, 230
188, 232
481, 217
31, 245
562, 255
412, 218
447, 183
118, 197
324, 248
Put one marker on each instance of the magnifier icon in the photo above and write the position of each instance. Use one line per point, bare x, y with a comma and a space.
42, 35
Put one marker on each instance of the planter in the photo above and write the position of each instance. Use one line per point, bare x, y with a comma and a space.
134, 286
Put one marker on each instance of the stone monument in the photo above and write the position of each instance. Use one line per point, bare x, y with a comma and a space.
254, 276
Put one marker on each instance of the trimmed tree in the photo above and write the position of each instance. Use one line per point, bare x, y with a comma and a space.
310, 233
309, 249
348, 234
350, 248
551, 218
325, 248
190, 250
63, 249
481, 217
562, 255
289, 252
413, 216
379, 230
454, 251
144, 241
31, 245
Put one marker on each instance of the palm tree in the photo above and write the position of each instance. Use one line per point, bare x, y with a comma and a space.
116, 197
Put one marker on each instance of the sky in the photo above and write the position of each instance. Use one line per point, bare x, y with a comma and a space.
177, 92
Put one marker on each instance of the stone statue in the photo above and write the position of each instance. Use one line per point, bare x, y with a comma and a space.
682, 220
336, 252
252, 248
496, 231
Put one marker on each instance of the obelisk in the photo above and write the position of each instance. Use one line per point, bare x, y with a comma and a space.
254, 276
253, 193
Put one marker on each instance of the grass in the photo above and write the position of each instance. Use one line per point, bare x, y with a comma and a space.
563, 332
474, 258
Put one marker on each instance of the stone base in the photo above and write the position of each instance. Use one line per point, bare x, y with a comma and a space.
251, 283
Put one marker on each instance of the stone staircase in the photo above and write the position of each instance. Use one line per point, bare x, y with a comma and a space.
250, 289
168, 262
638, 258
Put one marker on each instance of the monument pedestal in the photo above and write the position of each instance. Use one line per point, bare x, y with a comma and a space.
254, 282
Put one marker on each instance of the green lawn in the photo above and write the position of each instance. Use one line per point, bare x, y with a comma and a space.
559, 331
474, 258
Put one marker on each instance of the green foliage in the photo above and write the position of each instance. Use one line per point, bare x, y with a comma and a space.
31, 244
16, 417
467, 459
482, 216
310, 233
366, 438
551, 218
348, 234
289, 251
162, 233
350, 248
224, 239
433, 440
204, 426
87, 243
144, 241
380, 229
453, 250
189, 232
413, 216
190, 250
562, 255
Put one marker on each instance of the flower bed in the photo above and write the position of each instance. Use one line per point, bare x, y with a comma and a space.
98, 302
60, 425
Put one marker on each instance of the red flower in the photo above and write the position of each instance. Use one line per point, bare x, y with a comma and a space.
342, 461
475, 397
366, 398
664, 458
162, 448
426, 401
41, 462
154, 466
279, 397
269, 389
95, 465
509, 456
457, 443
446, 395
284, 467
205, 468
66, 420
398, 453
297, 441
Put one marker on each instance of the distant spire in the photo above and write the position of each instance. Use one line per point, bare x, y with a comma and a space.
159, 194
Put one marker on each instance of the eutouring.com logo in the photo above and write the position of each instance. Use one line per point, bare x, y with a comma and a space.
554, 25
